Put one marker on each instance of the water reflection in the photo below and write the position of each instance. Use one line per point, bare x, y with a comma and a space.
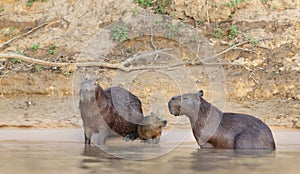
185, 159
212, 159
60, 155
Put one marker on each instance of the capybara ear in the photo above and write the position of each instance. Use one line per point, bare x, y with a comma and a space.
200, 92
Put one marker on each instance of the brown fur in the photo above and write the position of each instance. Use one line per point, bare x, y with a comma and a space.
213, 128
105, 112
150, 128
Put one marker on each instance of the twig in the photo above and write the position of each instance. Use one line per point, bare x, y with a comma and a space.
57, 64
244, 49
207, 15
151, 40
1, 88
152, 44
27, 33
251, 77
137, 56
226, 50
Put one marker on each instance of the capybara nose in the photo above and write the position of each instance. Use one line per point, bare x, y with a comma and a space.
170, 102
165, 123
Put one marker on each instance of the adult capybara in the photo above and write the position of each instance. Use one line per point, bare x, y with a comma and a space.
150, 128
114, 110
213, 128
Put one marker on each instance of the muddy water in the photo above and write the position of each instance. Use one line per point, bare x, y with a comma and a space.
62, 151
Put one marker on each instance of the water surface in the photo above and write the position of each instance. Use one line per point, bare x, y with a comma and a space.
62, 151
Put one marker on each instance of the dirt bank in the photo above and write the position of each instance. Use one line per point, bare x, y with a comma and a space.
259, 76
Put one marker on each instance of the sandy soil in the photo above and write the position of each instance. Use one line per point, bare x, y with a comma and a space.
260, 79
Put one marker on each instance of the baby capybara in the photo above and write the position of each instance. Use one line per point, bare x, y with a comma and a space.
114, 110
213, 128
150, 128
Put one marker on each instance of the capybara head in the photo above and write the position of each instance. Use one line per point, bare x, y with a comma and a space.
151, 127
154, 121
88, 90
186, 104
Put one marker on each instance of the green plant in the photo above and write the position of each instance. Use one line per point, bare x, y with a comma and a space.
18, 52
252, 39
29, 3
52, 48
144, 3
120, 33
234, 3
161, 5
35, 47
37, 67
1, 7
11, 31
67, 73
232, 32
15, 61
217, 33
232, 44
135, 12
173, 29
158, 23
264, 1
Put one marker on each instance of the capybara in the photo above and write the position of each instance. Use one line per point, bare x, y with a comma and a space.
214, 129
150, 128
114, 110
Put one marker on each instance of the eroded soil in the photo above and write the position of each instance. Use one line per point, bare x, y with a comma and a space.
261, 77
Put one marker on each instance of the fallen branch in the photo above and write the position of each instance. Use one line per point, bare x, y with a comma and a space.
122, 66
87, 64
27, 33
57, 64
245, 49
137, 56
226, 50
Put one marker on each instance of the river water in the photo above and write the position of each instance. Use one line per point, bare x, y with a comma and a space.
61, 151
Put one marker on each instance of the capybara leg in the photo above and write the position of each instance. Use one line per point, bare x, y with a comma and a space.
131, 136
156, 140
87, 140
144, 141
244, 141
88, 132
103, 134
207, 146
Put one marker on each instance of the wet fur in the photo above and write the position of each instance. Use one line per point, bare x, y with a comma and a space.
150, 129
100, 113
230, 130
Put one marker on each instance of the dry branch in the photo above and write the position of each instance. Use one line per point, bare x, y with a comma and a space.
121, 66
57, 64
